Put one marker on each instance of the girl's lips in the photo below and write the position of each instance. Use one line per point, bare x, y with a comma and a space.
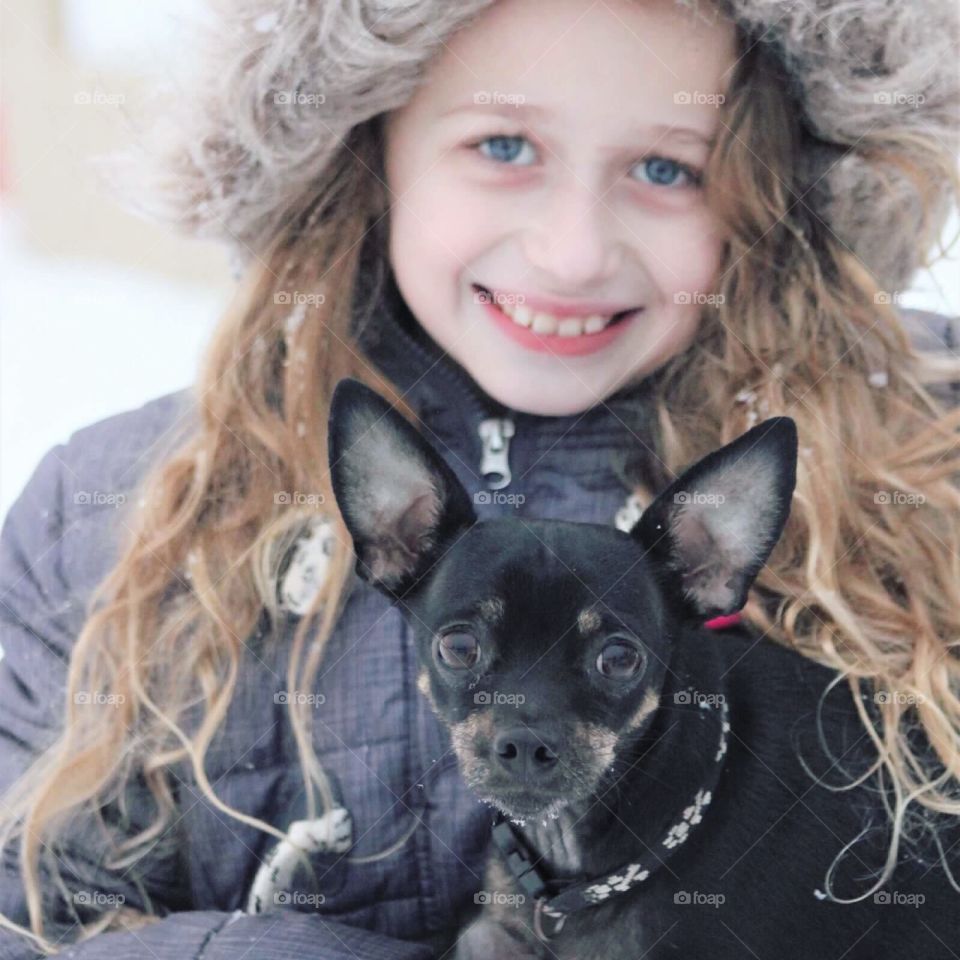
553, 343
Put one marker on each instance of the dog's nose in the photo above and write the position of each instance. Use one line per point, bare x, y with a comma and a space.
525, 752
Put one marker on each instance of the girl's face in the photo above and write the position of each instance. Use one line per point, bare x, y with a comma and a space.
550, 161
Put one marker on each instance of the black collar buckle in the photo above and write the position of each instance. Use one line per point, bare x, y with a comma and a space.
519, 859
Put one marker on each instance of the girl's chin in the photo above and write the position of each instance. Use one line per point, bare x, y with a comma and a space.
544, 397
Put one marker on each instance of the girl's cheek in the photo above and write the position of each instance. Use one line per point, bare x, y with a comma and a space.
686, 252
430, 210
459, 216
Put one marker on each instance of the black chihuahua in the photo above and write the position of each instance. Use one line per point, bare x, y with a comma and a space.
662, 790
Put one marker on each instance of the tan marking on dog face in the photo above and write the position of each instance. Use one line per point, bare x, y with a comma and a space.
491, 609
588, 621
650, 703
478, 725
423, 685
597, 742
471, 739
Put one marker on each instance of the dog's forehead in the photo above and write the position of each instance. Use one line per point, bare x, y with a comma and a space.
553, 570
558, 550
563, 538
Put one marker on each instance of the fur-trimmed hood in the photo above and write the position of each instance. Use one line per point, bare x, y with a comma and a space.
223, 163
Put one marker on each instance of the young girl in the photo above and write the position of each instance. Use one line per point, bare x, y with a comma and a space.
582, 245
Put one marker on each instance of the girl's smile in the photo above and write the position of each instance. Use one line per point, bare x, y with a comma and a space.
561, 331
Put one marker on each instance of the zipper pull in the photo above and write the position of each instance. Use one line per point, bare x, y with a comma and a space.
495, 432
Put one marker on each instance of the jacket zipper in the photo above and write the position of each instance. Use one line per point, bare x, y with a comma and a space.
496, 423
495, 432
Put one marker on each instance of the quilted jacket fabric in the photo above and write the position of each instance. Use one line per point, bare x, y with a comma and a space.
389, 759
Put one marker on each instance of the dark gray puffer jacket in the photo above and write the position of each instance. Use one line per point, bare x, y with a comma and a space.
390, 760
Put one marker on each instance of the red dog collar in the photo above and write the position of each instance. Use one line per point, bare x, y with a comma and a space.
728, 620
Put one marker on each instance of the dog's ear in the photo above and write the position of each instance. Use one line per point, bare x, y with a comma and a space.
398, 498
711, 531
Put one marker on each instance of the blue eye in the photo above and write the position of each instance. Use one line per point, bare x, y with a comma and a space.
662, 172
502, 147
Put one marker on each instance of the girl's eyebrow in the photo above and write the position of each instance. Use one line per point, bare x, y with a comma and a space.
662, 131
483, 104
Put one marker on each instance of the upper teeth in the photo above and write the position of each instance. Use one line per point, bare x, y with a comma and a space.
548, 323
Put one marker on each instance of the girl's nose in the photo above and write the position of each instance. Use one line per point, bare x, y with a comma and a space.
574, 240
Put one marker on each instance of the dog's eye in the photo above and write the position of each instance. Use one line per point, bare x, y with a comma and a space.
619, 660
458, 649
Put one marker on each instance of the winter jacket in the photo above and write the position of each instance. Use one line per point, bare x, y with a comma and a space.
389, 759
